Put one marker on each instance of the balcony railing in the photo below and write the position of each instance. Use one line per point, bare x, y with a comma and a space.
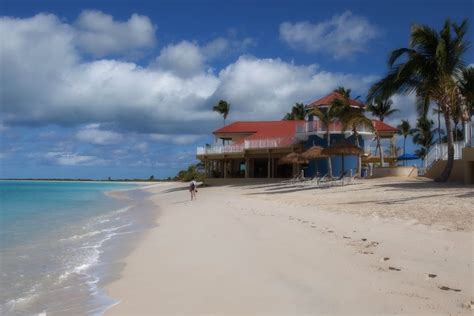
440, 152
247, 144
334, 127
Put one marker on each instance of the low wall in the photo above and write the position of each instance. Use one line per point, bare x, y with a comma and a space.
457, 174
240, 181
468, 159
399, 171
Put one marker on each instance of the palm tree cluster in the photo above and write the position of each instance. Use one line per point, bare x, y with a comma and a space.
433, 69
298, 112
381, 108
424, 135
350, 117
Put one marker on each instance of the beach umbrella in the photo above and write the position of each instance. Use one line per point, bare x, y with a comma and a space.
408, 157
315, 152
292, 158
342, 148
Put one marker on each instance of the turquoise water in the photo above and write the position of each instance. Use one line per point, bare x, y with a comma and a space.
52, 236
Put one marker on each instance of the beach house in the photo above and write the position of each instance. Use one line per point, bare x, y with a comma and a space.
254, 149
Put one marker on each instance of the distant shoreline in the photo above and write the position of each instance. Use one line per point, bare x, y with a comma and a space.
85, 180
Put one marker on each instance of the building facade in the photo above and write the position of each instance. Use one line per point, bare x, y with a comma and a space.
254, 149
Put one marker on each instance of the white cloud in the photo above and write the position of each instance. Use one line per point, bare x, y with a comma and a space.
94, 135
72, 159
267, 88
175, 139
99, 34
222, 46
142, 147
48, 83
184, 59
341, 36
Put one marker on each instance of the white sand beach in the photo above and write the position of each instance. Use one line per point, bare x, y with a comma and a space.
378, 247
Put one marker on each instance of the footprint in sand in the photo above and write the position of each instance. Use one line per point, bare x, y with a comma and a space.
330, 231
446, 288
431, 276
383, 259
364, 239
469, 305
312, 226
372, 244
394, 269
346, 237
367, 253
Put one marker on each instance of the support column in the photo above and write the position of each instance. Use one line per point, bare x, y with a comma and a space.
268, 166
225, 168
247, 166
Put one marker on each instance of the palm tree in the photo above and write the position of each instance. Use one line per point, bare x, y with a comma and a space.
430, 68
423, 134
326, 116
351, 117
222, 107
466, 87
381, 108
405, 129
298, 112
422, 152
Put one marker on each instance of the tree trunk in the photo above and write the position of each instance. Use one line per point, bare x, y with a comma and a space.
455, 131
449, 164
328, 139
359, 160
439, 125
404, 142
379, 147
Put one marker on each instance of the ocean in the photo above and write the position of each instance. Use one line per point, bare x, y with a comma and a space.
61, 241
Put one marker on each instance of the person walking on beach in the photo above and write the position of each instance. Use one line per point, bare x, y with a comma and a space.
192, 189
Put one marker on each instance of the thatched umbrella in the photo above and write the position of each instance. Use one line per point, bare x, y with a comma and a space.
292, 158
315, 152
342, 148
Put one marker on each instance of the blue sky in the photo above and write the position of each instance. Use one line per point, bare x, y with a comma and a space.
124, 88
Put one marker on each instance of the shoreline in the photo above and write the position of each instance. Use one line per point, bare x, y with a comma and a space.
234, 251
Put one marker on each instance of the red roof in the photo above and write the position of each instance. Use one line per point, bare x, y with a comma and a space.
261, 129
325, 101
277, 129
383, 127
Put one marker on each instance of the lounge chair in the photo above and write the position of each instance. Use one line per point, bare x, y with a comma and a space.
338, 180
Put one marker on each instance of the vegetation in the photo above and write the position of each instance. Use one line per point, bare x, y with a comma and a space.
381, 108
431, 68
405, 129
298, 112
192, 172
424, 136
351, 117
222, 107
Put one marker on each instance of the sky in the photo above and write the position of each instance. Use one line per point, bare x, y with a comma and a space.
124, 89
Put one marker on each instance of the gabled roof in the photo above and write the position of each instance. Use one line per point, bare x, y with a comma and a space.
325, 101
261, 129
383, 127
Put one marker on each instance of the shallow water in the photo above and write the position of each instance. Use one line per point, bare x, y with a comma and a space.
59, 242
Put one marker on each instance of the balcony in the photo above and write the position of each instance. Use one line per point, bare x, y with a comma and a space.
217, 149
315, 127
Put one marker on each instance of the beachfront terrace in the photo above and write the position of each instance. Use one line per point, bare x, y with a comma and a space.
316, 127
249, 144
